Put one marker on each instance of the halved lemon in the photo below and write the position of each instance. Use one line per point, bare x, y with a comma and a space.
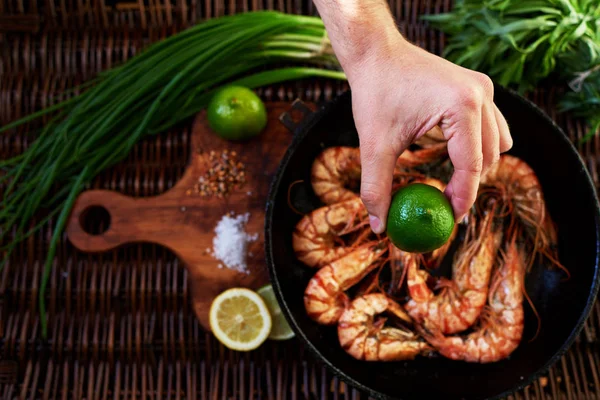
240, 319
281, 330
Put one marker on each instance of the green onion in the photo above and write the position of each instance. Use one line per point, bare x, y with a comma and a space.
168, 82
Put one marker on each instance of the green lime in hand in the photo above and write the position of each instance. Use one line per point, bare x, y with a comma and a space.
420, 218
236, 113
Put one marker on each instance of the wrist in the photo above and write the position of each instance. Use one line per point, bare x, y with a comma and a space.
377, 49
363, 35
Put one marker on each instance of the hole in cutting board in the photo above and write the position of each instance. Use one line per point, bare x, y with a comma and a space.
95, 220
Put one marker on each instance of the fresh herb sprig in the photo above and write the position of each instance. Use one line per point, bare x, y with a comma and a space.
585, 103
168, 82
524, 43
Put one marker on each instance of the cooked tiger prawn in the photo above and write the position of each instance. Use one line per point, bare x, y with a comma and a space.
315, 236
366, 339
458, 305
335, 174
515, 183
325, 298
501, 326
395, 312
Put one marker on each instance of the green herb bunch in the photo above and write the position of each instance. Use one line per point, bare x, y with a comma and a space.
523, 43
168, 82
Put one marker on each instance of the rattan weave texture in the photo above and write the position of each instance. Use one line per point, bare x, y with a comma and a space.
121, 326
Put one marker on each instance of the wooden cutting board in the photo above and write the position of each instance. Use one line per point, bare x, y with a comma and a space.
183, 221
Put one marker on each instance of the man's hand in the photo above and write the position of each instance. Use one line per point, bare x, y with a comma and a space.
399, 92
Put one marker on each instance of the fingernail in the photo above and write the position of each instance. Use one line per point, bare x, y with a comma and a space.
375, 224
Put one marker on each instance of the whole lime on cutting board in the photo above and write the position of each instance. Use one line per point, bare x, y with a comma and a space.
420, 218
236, 113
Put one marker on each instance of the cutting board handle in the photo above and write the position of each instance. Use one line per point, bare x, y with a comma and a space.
128, 221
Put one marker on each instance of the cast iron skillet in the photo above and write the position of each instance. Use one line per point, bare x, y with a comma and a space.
562, 305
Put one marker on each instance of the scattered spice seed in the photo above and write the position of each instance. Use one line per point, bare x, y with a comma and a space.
225, 173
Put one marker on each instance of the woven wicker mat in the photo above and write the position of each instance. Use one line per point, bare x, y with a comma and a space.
122, 326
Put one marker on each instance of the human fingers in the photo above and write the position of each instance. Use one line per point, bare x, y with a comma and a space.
378, 160
490, 137
506, 141
465, 152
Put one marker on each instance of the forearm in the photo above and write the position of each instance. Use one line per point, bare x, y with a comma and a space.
358, 29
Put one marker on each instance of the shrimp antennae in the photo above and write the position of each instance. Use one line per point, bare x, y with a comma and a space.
537, 315
515, 234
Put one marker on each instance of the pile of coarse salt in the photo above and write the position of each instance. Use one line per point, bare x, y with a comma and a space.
230, 244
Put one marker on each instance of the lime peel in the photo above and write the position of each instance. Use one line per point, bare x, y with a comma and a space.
236, 113
420, 218
280, 330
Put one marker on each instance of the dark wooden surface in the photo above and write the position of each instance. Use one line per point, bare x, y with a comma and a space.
122, 322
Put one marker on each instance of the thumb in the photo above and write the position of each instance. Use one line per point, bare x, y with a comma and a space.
377, 161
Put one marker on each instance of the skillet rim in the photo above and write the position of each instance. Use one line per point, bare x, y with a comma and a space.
303, 129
